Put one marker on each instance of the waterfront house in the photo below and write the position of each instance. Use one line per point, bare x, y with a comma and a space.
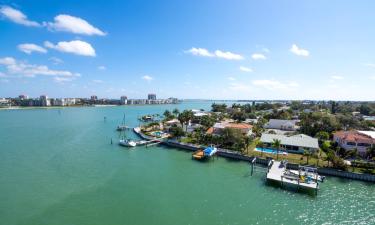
349, 140
288, 125
295, 143
218, 128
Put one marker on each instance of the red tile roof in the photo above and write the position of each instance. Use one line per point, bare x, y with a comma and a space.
354, 136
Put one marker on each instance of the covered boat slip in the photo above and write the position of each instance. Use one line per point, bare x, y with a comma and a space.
204, 154
307, 178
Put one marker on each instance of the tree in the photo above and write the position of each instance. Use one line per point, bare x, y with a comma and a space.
176, 131
218, 107
185, 117
276, 144
168, 115
371, 152
207, 121
353, 154
232, 136
307, 153
248, 140
176, 112
322, 135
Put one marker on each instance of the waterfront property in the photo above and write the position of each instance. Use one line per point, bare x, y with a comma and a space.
218, 128
286, 125
294, 144
360, 140
270, 151
305, 177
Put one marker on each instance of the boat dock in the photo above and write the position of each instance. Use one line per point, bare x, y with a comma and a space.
305, 178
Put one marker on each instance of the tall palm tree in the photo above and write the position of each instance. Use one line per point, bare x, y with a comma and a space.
176, 112
276, 144
307, 153
248, 140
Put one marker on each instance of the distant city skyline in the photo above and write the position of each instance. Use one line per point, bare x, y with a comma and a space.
316, 50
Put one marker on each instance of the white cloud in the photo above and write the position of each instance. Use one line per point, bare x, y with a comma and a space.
299, 51
218, 54
274, 84
228, 55
369, 64
147, 78
17, 16
63, 79
74, 25
29, 48
336, 77
76, 47
200, 52
102, 67
97, 81
56, 60
258, 56
22, 69
4, 81
372, 77
240, 87
246, 69
231, 78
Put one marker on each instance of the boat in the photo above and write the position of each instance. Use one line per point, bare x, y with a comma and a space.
127, 143
122, 126
204, 154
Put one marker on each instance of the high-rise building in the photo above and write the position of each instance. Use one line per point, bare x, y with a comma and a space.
94, 98
23, 97
44, 101
151, 97
123, 100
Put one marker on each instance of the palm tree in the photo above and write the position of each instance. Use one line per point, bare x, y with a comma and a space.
307, 153
261, 144
248, 140
176, 112
276, 144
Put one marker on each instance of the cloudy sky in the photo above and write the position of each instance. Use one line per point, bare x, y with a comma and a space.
189, 49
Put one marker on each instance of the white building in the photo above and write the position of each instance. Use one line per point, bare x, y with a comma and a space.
288, 125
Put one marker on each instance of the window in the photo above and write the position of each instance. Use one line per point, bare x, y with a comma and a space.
363, 144
350, 143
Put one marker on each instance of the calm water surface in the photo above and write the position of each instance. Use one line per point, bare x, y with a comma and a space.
60, 168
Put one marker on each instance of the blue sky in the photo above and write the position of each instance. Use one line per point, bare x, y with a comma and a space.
188, 49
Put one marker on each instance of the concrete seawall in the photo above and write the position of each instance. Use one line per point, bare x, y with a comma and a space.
237, 156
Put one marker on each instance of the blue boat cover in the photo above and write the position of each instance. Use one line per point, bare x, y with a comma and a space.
208, 150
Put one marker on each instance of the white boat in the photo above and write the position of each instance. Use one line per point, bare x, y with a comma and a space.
127, 143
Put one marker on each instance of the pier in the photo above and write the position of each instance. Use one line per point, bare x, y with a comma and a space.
279, 173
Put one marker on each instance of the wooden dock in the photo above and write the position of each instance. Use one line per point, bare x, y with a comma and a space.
278, 173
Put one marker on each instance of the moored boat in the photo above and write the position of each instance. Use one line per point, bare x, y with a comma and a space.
204, 154
127, 143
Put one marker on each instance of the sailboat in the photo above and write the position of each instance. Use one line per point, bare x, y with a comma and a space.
127, 143
123, 140
122, 126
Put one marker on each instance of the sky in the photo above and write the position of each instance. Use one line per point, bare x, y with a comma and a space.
228, 49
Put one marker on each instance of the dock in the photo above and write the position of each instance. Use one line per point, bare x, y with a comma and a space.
306, 177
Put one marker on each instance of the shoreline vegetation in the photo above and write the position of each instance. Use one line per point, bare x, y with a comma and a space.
239, 128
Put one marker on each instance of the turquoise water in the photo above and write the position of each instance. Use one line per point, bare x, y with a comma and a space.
60, 168
269, 150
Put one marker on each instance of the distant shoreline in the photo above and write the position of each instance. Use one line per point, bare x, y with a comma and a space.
73, 106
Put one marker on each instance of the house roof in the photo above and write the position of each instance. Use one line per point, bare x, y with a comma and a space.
356, 136
368, 133
299, 140
210, 130
232, 125
239, 125
278, 123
